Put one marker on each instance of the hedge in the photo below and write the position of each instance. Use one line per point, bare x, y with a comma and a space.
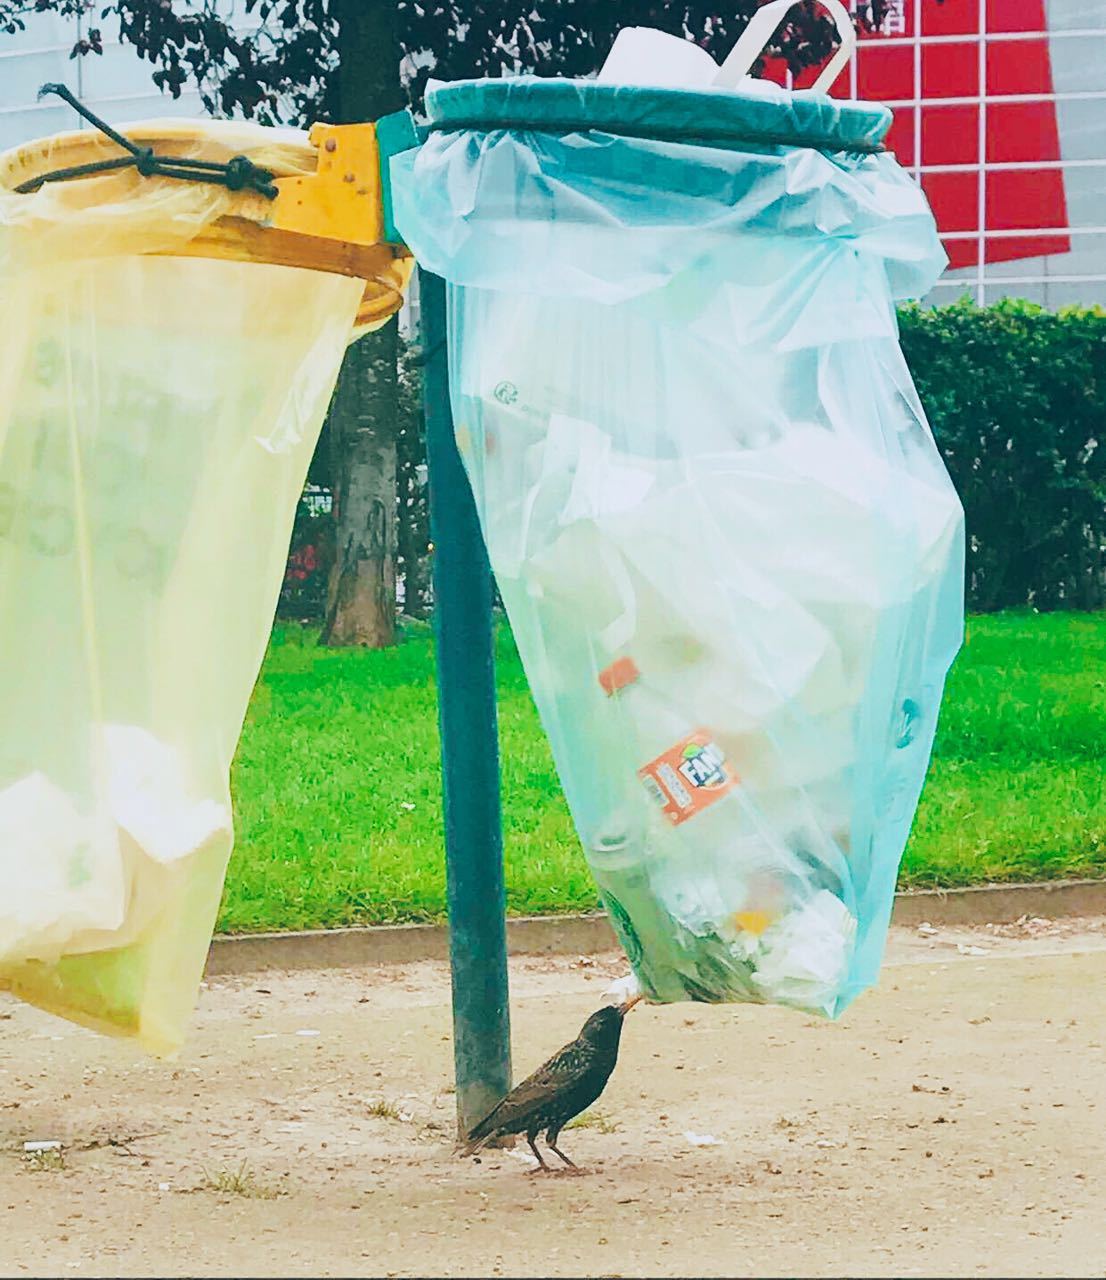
1016, 397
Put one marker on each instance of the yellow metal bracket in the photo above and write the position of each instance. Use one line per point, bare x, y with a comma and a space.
331, 220
344, 198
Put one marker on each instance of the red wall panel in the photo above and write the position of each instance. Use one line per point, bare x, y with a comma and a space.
950, 135
950, 70
951, 18
1016, 15
883, 73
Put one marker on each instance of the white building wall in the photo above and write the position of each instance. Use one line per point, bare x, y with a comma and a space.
116, 85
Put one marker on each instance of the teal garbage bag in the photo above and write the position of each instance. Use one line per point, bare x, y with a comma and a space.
730, 551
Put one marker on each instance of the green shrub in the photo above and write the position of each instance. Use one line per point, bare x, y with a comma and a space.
1016, 397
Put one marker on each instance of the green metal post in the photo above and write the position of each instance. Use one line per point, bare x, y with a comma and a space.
470, 745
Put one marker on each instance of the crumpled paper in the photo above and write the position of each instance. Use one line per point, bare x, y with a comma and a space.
803, 959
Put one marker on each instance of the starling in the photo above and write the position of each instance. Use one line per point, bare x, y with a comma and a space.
560, 1089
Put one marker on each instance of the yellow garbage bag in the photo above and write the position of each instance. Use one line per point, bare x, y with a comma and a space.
157, 417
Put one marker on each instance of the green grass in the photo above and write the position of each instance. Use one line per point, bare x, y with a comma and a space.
338, 743
238, 1182
1017, 788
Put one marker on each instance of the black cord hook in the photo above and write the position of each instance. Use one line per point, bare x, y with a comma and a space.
237, 174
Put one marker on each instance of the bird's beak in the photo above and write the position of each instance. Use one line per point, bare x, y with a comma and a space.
627, 1005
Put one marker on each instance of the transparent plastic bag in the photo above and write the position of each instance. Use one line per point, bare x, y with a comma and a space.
729, 549
157, 418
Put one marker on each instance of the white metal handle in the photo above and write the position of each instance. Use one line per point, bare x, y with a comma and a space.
762, 27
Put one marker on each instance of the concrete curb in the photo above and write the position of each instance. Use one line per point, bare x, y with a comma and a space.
587, 934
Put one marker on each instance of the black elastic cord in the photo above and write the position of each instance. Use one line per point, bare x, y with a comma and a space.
239, 173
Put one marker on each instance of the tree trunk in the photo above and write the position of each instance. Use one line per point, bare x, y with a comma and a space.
361, 597
361, 604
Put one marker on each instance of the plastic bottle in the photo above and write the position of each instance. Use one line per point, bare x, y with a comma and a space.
716, 868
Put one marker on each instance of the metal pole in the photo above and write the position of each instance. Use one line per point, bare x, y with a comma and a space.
470, 745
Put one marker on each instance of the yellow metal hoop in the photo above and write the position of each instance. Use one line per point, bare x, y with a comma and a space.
328, 214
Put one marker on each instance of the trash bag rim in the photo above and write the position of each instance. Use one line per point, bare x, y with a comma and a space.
709, 116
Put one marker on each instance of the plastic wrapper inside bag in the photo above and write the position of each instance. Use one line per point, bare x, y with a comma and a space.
729, 549
157, 417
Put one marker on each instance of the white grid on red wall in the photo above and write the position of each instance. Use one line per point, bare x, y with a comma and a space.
1000, 113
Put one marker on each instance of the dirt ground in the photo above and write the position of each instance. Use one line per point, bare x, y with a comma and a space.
953, 1123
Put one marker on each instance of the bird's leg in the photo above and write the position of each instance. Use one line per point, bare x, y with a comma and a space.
542, 1166
552, 1140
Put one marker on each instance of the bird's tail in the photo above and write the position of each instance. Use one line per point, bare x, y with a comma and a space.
477, 1137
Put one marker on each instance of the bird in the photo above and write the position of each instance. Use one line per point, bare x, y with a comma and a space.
561, 1088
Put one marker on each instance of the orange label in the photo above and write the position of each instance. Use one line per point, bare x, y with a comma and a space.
688, 777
